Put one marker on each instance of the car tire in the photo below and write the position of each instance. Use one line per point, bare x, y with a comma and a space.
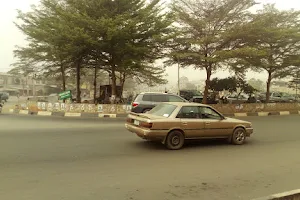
238, 136
175, 140
146, 110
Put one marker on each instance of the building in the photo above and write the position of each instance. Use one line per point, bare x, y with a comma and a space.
26, 86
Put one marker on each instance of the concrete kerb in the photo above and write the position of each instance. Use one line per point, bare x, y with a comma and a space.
67, 114
290, 195
103, 115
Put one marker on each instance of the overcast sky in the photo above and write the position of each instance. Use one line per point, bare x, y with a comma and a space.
10, 36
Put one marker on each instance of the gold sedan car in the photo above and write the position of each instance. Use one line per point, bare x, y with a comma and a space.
173, 123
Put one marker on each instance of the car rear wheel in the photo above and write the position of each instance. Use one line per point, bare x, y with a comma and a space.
175, 140
238, 136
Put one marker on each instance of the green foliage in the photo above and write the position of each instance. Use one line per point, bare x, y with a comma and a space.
271, 44
119, 37
231, 84
207, 28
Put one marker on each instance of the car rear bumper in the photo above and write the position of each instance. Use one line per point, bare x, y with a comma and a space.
146, 134
249, 131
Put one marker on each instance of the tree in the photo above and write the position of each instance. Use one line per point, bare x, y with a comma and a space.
272, 42
207, 28
231, 84
55, 38
120, 37
294, 84
132, 34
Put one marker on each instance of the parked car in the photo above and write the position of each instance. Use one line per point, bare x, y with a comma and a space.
145, 101
211, 98
4, 96
196, 99
278, 97
174, 122
238, 98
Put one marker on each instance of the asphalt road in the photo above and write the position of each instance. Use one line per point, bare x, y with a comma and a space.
47, 158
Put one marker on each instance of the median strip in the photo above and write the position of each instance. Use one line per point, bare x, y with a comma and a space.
109, 115
72, 114
44, 113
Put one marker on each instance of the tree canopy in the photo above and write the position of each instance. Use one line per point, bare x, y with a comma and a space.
124, 38
121, 37
271, 44
206, 29
231, 84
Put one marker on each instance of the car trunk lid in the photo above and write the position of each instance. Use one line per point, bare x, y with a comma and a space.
142, 119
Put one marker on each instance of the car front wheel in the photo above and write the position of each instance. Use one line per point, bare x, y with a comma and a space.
238, 136
175, 140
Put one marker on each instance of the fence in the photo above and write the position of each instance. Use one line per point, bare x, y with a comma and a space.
122, 109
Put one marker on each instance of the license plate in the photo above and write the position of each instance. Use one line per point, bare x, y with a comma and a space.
136, 122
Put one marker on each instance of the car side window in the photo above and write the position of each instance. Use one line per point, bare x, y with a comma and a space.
147, 97
189, 112
208, 113
159, 98
173, 98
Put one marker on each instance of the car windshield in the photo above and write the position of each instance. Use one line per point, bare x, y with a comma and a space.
164, 110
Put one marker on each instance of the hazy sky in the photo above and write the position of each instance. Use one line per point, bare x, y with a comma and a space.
10, 36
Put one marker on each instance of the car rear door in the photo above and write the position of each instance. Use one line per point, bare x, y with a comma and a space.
191, 124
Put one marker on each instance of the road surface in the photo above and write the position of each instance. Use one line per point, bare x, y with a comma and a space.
52, 158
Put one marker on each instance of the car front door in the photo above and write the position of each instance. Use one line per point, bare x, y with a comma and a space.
214, 124
191, 123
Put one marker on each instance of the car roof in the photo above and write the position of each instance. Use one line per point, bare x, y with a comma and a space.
187, 104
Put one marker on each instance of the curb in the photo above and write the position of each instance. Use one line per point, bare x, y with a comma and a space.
101, 115
264, 114
67, 114
294, 194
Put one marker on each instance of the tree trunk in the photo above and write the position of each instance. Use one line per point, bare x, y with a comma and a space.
63, 77
207, 82
268, 87
113, 85
27, 94
78, 84
95, 84
123, 79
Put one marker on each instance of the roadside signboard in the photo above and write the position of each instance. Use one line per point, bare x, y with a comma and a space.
65, 95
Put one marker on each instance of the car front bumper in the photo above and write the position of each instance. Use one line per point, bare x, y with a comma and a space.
249, 131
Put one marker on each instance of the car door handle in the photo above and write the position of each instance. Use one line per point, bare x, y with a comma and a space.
184, 123
207, 123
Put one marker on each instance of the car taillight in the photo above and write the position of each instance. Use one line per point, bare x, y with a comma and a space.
135, 104
146, 125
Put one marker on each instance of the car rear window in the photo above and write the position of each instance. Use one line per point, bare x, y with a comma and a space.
138, 98
163, 110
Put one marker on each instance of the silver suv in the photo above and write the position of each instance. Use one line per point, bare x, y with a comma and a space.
145, 101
